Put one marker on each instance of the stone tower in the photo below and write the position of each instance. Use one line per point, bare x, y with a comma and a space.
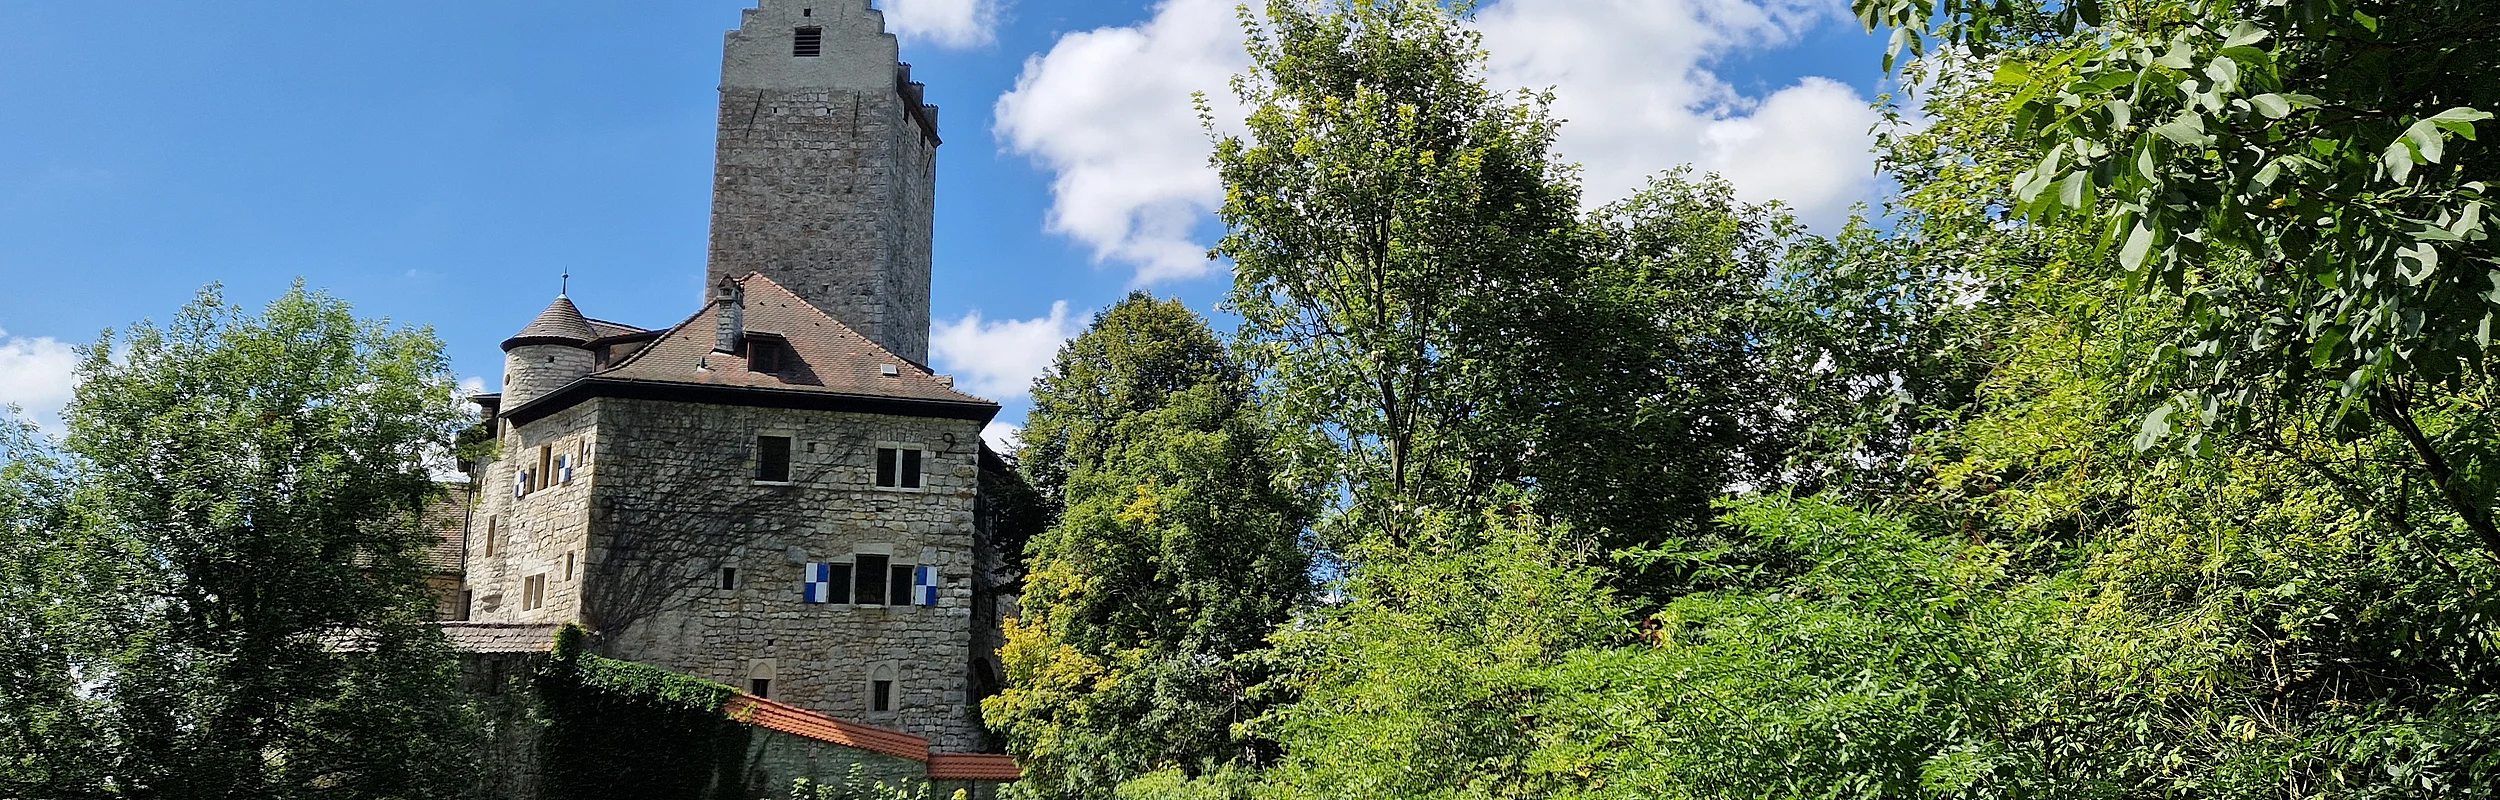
824, 178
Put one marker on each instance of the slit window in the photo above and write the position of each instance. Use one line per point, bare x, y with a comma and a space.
729, 577
881, 696
898, 468
808, 42
772, 459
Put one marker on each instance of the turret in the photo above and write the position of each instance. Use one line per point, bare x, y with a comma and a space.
551, 352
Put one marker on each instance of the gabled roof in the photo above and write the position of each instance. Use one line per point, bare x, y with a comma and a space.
826, 365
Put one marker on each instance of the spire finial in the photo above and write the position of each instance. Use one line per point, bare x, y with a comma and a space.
566, 284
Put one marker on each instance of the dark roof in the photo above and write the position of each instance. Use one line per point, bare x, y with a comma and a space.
446, 517
826, 365
606, 329
561, 323
500, 637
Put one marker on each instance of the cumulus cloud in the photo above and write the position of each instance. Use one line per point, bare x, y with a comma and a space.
1633, 84
999, 359
944, 23
37, 375
1107, 112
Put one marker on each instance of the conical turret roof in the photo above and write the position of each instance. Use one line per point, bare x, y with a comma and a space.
561, 323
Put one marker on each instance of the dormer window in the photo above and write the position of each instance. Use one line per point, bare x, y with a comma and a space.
763, 355
808, 43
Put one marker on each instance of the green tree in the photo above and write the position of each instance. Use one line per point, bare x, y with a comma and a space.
1177, 549
1382, 207
2303, 174
245, 488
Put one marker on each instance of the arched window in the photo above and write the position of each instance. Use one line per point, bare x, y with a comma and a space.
884, 692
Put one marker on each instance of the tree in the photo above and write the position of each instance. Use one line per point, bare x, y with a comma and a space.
1177, 549
1383, 205
242, 499
2302, 173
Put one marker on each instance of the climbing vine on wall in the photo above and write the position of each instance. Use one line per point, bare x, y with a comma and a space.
618, 730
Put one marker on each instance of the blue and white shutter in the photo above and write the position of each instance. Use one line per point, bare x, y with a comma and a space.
924, 586
520, 483
817, 583
564, 469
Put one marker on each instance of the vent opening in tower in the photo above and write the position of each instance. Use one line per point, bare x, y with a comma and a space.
809, 43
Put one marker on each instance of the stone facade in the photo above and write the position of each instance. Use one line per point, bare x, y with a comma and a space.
826, 170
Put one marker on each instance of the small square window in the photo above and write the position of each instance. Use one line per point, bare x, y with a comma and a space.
763, 355
760, 687
772, 459
808, 42
898, 468
534, 592
881, 696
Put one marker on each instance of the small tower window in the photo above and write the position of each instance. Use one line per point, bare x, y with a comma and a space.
729, 577
808, 43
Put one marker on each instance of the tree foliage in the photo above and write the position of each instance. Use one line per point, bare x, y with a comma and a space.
225, 565
1177, 548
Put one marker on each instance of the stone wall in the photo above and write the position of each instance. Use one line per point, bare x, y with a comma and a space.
675, 501
530, 371
825, 176
545, 533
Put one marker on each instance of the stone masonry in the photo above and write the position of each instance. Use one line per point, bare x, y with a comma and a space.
825, 174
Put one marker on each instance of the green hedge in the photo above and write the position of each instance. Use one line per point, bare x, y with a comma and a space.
617, 730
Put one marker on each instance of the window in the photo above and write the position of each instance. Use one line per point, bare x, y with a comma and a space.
763, 355
760, 687
729, 577
871, 576
546, 468
825, 582
568, 566
898, 585
898, 468
881, 695
808, 43
534, 592
772, 459
490, 535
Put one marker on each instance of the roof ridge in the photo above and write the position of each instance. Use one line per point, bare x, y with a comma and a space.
803, 303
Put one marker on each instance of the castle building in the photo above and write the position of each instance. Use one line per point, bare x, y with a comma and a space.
774, 493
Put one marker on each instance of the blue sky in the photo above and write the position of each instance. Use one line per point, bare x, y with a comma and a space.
441, 163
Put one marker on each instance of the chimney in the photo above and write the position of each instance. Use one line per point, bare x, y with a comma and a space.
732, 299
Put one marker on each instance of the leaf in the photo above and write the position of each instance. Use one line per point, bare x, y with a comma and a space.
2013, 73
2244, 34
2399, 161
2226, 74
2323, 350
2426, 140
2156, 426
2459, 120
2139, 243
2180, 55
2267, 174
2075, 191
2120, 114
2273, 106
2187, 129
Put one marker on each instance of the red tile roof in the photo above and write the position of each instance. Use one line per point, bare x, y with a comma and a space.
825, 355
973, 767
801, 722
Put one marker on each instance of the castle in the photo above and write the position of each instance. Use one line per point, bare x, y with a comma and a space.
774, 493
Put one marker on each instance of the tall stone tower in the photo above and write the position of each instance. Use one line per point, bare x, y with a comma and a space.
825, 178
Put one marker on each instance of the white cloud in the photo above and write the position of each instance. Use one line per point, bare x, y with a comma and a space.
37, 375
999, 360
1633, 84
1004, 437
1108, 112
945, 23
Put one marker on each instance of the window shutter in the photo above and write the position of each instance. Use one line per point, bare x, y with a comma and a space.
817, 587
520, 484
925, 586
564, 469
